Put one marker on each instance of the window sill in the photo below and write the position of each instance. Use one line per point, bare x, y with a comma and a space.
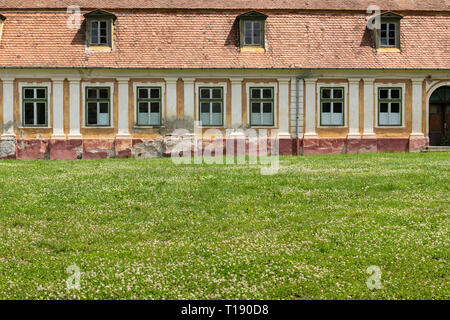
388, 50
390, 127
33, 127
97, 127
263, 127
146, 127
252, 49
332, 127
99, 48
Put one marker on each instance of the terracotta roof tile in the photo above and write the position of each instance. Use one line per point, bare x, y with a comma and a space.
209, 39
434, 5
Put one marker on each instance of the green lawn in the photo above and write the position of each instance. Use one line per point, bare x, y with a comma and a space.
155, 230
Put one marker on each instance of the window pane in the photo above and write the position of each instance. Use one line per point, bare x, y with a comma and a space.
383, 41
205, 119
155, 119
92, 113
391, 41
326, 93
40, 113
204, 93
217, 93
383, 107
40, 93
204, 107
337, 119
143, 93
104, 107
326, 118
256, 107
395, 107
256, 93
337, 107
154, 107
384, 118
216, 119
326, 107
384, 94
104, 93
267, 107
337, 93
103, 119
256, 119
143, 119
256, 33
92, 93
267, 119
143, 107
395, 119
217, 107
154, 93
248, 32
267, 93
29, 113
29, 93
395, 93
94, 32
383, 26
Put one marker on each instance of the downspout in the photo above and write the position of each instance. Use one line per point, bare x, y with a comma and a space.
297, 100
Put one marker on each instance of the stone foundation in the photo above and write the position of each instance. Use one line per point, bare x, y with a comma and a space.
155, 148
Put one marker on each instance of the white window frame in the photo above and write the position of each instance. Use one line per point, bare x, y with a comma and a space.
273, 85
390, 85
162, 85
223, 85
333, 85
109, 85
47, 85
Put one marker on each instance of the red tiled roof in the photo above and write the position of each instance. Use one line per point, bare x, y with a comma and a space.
433, 5
209, 39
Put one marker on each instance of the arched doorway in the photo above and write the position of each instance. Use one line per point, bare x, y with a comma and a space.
439, 117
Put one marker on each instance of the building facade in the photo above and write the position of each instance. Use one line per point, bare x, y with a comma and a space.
112, 79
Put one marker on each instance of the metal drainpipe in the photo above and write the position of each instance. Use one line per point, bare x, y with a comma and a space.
297, 101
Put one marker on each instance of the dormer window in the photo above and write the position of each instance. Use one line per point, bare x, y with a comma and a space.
388, 34
252, 27
99, 28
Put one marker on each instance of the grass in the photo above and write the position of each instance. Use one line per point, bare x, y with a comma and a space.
150, 229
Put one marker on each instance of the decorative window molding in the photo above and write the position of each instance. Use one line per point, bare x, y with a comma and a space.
216, 119
104, 119
99, 29
252, 30
35, 104
333, 99
390, 105
387, 36
256, 116
138, 122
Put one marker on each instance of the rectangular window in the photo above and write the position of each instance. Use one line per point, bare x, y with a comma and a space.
261, 106
149, 106
332, 106
98, 106
34, 110
388, 35
211, 106
99, 32
253, 33
390, 106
